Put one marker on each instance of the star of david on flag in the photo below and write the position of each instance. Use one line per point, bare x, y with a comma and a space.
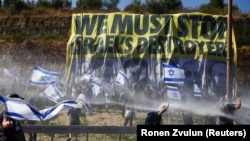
173, 74
41, 76
121, 78
173, 93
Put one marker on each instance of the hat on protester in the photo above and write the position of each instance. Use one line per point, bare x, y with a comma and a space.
163, 108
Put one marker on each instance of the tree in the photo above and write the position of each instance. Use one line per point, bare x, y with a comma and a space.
135, 6
43, 3
6, 3
162, 6
89, 4
67, 4
217, 7
57, 4
217, 3
18, 5
110, 4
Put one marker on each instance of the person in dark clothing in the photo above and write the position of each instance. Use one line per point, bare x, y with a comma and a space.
228, 109
155, 117
32, 136
12, 129
187, 118
75, 114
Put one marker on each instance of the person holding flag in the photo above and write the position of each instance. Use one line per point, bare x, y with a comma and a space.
155, 117
75, 114
81, 96
27, 111
12, 129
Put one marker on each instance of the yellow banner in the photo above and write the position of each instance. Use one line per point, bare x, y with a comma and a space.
196, 36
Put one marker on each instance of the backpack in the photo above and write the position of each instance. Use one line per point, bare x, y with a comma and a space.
149, 120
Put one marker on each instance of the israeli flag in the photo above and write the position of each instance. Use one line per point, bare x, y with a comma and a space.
173, 93
197, 90
96, 89
50, 112
41, 76
173, 74
20, 109
52, 93
84, 101
121, 78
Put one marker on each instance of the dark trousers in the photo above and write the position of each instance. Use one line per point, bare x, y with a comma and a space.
130, 120
32, 136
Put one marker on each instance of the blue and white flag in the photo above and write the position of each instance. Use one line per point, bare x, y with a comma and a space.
50, 112
96, 89
84, 101
52, 93
173, 74
43, 77
197, 90
121, 78
173, 93
20, 109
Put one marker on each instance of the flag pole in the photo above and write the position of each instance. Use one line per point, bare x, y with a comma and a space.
24, 93
229, 49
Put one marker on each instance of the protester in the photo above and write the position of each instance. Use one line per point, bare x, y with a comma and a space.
148, 92
2, 138
228, 109
12, 128
128, 112
32, 136
155, 117
82, 98
75, 114
187, 118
